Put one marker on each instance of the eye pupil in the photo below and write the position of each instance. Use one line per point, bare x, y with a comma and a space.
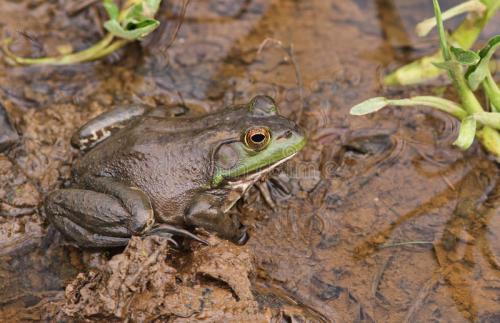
258, 138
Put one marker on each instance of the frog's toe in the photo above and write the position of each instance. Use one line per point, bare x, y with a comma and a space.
243, 238
166, 235
85, 238
169, 230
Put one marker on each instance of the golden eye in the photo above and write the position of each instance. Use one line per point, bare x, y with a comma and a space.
257, 138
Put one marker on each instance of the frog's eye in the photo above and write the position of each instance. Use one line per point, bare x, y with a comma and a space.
257, 138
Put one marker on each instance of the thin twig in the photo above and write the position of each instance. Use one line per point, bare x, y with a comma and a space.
298, 77
32, 39
76, 7
185, 4
448, 182
291, 56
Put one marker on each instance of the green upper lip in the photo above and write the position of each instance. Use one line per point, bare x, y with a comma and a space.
269, 156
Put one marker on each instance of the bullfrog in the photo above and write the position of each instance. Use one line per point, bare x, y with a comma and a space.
159, 171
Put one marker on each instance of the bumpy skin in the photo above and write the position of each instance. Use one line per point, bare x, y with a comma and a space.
155, 174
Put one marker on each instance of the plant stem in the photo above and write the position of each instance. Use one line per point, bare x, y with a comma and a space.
117, 44
442, 35
492, 92
467, 97
82, 56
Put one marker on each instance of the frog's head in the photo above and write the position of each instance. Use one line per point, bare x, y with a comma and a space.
263, 140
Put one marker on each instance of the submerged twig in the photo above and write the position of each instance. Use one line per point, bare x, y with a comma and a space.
185, 4
425, 291
379, 275
404, 243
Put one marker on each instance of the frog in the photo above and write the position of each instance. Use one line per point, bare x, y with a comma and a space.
161, 171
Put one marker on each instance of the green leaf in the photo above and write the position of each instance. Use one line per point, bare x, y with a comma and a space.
465, 57
467, 133
476, 6
135, 12
475, 74
150, 8
369, 106
448, 65
138, 31
492, 92
112, 9
375, 104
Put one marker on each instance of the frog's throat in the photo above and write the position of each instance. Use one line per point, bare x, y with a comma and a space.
239, 187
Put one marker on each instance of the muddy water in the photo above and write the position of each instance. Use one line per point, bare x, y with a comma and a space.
382, 220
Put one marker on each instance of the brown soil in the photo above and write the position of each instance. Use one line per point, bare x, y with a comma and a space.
383, 221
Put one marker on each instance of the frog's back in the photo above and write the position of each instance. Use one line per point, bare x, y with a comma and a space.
169, 166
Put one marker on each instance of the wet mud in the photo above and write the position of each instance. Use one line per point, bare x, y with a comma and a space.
378, 219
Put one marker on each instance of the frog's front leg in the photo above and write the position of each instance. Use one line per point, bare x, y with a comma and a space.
206, 212
103, 213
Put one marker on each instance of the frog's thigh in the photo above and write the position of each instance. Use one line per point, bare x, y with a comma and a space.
135, 201
97, 212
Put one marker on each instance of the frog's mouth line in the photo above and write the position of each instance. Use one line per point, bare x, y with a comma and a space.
245, 182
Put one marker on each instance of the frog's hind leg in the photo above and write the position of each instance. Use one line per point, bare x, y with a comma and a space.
139, 206
105, 212
90, 218
101, 127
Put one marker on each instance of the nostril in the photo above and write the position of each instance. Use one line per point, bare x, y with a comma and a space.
286, 135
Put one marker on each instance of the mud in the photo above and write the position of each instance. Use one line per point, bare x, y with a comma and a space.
379, 218
139, 285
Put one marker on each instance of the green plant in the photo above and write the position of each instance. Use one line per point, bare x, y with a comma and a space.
479, 12
475, 121
133, 21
